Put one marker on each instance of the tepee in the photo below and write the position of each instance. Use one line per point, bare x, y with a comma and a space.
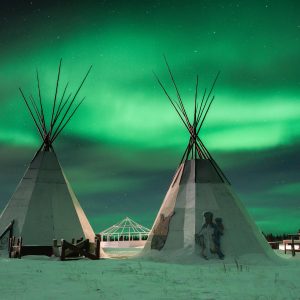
199, 186
44, 206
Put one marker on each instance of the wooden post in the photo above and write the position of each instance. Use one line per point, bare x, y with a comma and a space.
62, 254
55, 249
97, 248
293, 246
284, 247
10, 247
20, 242
11, 229
80, 240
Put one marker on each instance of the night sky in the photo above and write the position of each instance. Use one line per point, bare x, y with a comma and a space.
123, 145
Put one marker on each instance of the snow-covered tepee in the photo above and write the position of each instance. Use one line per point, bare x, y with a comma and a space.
199, 186
44, 206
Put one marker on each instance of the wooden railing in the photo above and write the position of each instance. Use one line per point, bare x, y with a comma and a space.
295, 240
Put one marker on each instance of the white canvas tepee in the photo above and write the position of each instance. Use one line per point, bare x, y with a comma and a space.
198, 187
44, 206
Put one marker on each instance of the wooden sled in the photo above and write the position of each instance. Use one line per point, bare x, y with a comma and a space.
75, 250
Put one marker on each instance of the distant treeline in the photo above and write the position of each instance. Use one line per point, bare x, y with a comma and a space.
270, 237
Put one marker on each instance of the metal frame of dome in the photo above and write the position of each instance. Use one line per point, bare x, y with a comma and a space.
125, 230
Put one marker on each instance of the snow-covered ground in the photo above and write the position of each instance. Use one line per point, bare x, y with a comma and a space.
35, 277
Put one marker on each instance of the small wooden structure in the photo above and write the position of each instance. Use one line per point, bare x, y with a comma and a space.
66, 250
294, 242
125, 234
80, 248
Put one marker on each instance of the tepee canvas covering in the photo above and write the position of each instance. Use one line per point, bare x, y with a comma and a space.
44, 206
199, 186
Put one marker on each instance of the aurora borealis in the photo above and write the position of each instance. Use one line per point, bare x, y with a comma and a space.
123, 145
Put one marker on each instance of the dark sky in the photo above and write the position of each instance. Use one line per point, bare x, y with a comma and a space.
122, 147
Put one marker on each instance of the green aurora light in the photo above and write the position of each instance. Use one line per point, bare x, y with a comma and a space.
125, 141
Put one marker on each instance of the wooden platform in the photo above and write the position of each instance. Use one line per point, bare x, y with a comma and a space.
66, 250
